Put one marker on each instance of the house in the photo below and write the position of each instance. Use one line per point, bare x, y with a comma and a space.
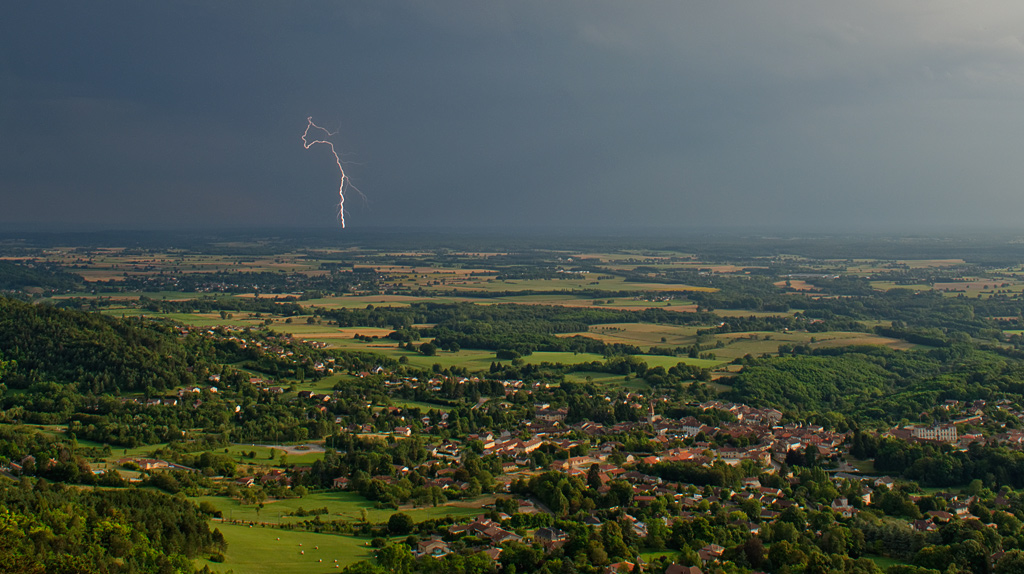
275, 476
842, 507
886, 481
551, 415
433, 547
865, 495
924, 526
487, 529
493, 553
710, 553
960, 509
341, 482
550, 538
680, 569
146, 463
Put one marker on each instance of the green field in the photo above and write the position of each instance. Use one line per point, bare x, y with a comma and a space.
667, 362
361, 301
567, 358
423, 406
740, 344
883, 562
171, 295
240, 453
595, 377
265, 550
568, 283
655, 554
194, 319
340, 506
886, 285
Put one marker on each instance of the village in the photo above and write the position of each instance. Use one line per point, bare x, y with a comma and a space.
753, 441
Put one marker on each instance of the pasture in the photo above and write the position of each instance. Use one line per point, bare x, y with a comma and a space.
265, 550
643, 335
600, 379
341, 505
983, 287
740, 344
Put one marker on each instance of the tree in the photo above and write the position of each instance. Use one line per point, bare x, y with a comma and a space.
611, 536
428, 349
753, 550
400, 523
785, 554
1011, 563
395, 558
594, 476
596, 553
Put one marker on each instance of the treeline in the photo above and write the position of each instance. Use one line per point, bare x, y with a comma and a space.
335, 282
941, 465
853, 300
547, 318
286, 306
520, 329
103, 354
876, 384
47, 527
18, 277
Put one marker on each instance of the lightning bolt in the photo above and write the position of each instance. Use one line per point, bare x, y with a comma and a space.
344, 178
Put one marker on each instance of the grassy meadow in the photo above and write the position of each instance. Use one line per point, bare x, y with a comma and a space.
265, 550
340, 505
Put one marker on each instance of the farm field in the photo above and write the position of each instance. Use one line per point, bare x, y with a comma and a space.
193, 319
474, 275
984, 287
667, 362
423, 406
642, 334
746, 313
566, 358
571, 282
129, 295
264, 550
361, 301
620, 303
340, 506
886, 285
601, 379
740, 344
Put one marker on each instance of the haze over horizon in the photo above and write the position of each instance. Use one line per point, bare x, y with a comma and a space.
796, 115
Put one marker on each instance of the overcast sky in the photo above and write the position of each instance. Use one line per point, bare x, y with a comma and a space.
800, 115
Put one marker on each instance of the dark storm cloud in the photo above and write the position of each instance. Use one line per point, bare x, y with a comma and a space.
513, 113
